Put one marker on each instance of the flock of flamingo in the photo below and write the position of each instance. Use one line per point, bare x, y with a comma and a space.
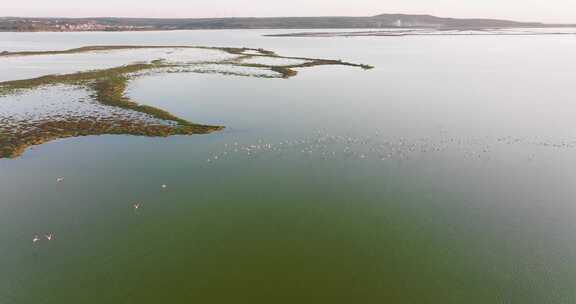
330, 146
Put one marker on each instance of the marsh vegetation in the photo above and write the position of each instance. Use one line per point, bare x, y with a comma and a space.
108, 87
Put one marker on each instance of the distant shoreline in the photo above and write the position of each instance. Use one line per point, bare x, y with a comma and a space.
383, 21
280, 35
352, 31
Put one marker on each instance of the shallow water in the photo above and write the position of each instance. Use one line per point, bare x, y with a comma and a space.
25, 67
442, 176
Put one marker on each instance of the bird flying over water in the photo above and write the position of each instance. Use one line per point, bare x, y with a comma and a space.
35, 239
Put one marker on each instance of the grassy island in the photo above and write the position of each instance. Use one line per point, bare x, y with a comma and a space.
108, 87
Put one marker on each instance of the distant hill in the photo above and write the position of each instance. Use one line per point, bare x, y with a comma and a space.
139, 24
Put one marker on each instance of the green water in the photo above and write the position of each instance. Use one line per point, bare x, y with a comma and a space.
373, 214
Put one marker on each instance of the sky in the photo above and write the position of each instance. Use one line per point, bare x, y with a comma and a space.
555, 11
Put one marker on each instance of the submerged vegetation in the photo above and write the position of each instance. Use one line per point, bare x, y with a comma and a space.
108, 87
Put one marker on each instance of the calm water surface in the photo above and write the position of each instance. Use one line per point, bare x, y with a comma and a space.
445, 175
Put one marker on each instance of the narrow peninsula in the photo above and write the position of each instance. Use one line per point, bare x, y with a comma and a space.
116, 112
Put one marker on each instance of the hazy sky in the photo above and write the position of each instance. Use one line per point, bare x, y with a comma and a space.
522, 10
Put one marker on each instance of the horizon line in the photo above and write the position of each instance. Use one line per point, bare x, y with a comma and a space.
315, 16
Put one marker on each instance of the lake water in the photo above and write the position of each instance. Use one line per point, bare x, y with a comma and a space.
444, 175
